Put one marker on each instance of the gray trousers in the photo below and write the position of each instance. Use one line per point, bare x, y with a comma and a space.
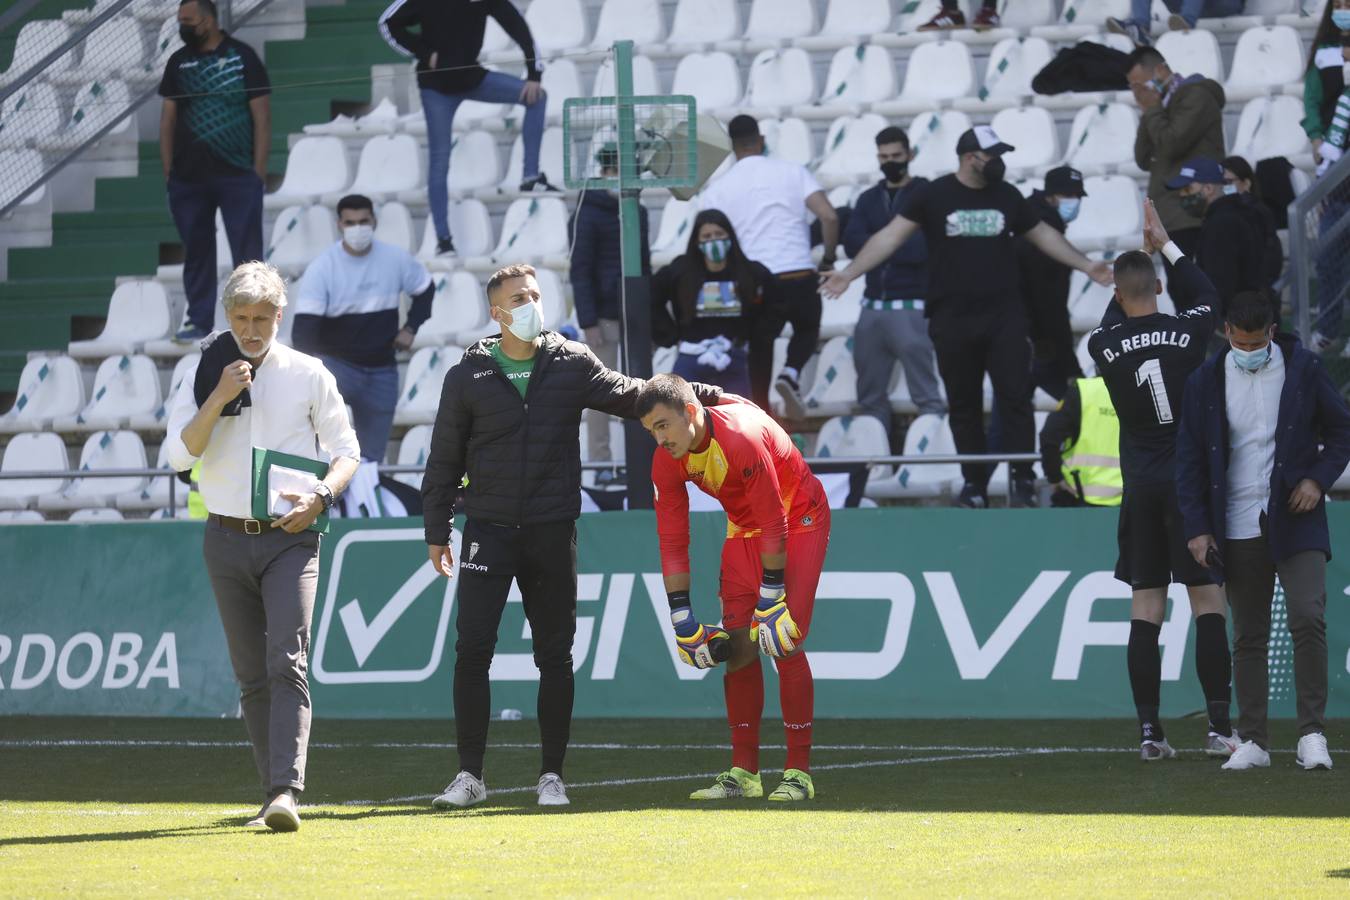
597, 423
883, 337
264, 586
1251, 588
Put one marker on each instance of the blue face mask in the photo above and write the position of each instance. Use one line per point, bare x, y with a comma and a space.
1229, 190
1251, 360
1341, 19
1068, 208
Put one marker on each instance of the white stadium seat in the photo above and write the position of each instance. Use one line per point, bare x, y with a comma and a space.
775, 23
1102, 139
672, 234
139, 311
32, 452
154, 494
645, 80
1007, 78
534, 228
834, 390
103, 450
166, 44
115, 48
421, 394
850, 149
779, 79
95, 106
699, 24
124, 386
1111, 216
711, 78
1196, 52
32, 114
413, 451
928, 435
561, 80
389, 163
1080, 18
459, 307
855, 436
1087, 299
788, 139
557, 25
849, 22
938, 73
1270, 126
99, 514
470, 227
1031, 131
550, 160
49, 387
36, 40
394, 225
1264, 61
299, 235
1024, 15
858, 77
474, 164
933, 137
21, 517
23, 167
639, 21
315, 166
185, 368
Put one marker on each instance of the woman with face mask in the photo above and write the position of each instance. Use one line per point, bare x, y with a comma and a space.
705, 301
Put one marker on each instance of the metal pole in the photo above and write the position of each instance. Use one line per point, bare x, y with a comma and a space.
637, 330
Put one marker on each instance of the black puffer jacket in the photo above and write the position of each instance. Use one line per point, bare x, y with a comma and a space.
523, 458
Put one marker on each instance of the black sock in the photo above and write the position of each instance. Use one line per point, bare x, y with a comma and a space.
1145, 665
1214, 666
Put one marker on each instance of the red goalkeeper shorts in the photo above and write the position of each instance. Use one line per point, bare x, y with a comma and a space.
742, 573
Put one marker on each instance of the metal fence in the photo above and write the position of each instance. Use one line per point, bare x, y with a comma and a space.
1319, 273
77, 79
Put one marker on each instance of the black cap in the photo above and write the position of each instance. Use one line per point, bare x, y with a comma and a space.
982, 138
742, 128
1065, 181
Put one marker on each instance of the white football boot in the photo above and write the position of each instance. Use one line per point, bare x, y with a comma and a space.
464, 791
1313, 752
1247, 756
551, 790
1151, 751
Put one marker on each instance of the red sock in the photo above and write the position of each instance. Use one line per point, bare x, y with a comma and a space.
744, 690
797, 695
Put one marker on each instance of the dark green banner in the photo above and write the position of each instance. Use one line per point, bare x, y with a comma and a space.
921, 612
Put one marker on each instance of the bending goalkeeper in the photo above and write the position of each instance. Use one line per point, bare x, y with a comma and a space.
778, 528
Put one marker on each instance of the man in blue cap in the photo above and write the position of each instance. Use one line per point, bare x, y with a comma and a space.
1229, 250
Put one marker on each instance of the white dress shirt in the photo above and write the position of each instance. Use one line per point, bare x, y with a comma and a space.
765, 199
1253, 403
296, 408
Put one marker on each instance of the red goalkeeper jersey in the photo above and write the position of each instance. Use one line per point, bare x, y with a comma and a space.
753, 469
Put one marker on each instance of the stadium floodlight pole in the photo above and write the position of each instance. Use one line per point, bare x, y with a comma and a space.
636, 349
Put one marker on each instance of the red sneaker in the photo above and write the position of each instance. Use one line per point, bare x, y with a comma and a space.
985, 19
945, 20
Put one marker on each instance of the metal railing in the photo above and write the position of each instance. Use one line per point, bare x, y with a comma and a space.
1319, 254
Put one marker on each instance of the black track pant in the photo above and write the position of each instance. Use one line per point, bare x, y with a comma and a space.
967, 347
543, 560
794, 299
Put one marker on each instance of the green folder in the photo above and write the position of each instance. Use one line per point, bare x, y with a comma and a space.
263, 461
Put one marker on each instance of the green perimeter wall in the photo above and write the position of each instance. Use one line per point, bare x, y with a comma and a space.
921, 612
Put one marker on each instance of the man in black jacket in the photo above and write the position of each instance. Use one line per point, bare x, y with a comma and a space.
1230, 250
508, 420
597, 283
1045, 285
446, 48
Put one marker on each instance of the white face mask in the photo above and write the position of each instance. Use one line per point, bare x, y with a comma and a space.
527, 321
358, 237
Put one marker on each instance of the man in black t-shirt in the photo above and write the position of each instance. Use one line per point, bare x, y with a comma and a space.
214, 132
976, 315
1145, 357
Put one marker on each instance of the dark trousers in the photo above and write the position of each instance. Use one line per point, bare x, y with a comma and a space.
1251, 588
193, 205
968, 347
543, 561
793, 299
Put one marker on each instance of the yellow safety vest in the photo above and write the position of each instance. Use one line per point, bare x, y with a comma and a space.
196, 505
1095, 456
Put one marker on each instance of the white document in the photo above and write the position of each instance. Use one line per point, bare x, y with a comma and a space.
281, 479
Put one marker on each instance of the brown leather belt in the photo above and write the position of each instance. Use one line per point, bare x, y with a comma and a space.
242, 526
795, 274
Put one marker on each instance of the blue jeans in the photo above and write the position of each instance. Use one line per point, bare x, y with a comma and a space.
439, 110
372, 393
734, 379
193, 205
1190, 11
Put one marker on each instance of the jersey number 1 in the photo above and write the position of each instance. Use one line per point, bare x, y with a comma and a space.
1151, 372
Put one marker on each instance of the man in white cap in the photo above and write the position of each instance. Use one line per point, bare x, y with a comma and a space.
976, 316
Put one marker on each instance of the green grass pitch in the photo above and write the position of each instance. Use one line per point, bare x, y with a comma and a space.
922, 808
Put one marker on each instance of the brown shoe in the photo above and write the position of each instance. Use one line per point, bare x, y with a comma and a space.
945, 20
986, 19
281, 814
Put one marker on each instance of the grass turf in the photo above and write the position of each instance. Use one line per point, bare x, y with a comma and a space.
917, 808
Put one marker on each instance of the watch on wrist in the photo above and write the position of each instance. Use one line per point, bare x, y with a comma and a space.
325, 494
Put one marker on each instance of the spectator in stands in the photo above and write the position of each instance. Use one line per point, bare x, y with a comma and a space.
215, 128
347, 311
769, 203
891, 326
1182, 119
1080, 447
1185, 13
446, 48
1324, 86
1045, 285
597, 284
950, 16
263, 573
1231, 249
1238, 173
976, 316
707, 301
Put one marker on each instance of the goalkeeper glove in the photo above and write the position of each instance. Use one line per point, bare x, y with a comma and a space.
773, 628
700, 646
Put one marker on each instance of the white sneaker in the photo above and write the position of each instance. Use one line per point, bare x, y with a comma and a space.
1151, 751
1312, 752
1220, 746
1247, 756
551, 790
464, 791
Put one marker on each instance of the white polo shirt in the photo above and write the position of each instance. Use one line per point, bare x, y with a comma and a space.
296, 408
765, 199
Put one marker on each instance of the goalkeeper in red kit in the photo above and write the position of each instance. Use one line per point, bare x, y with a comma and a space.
778, 528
